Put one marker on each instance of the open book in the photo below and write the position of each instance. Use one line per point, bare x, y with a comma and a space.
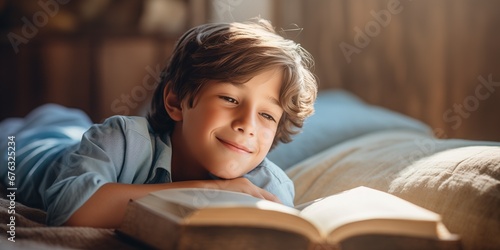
360, 218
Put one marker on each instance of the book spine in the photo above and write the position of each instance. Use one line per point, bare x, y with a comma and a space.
323, 246
149, 227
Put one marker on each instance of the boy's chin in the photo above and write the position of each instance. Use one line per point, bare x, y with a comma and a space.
224, 177
231, 169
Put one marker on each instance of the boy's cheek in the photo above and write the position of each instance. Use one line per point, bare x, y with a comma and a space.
267, 136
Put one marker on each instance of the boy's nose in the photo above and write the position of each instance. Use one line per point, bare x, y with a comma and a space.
245, 122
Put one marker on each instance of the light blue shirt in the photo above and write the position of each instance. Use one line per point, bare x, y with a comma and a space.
59, 174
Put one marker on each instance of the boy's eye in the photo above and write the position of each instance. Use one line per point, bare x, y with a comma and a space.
268, 117
229, 99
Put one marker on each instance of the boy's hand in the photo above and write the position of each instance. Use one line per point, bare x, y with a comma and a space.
242, 185
106, 207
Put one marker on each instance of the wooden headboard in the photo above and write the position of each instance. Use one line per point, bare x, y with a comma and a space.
437, 61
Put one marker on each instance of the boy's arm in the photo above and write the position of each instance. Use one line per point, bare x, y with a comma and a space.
106, 207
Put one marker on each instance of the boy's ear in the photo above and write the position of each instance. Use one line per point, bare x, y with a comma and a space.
172, 105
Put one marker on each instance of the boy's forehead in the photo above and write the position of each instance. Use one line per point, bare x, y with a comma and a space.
271, 87
262, 75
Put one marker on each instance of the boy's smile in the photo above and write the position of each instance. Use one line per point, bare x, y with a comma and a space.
229, 130
235, 146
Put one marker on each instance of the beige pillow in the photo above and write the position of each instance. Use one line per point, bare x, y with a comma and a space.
459, 179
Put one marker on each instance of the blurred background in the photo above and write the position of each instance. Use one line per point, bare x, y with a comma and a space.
436, 61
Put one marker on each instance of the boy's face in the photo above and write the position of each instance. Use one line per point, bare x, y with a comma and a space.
231, 127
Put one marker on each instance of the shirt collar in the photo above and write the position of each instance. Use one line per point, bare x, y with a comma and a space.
162, 160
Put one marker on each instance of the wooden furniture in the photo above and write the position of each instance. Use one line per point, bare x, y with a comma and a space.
103, 75
98, 69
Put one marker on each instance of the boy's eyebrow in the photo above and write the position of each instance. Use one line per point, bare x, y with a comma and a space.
243, 86
274, 101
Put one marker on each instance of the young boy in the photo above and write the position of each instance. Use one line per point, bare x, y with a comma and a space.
228, 95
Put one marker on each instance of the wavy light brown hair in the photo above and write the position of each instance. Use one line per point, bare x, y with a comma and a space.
235, 52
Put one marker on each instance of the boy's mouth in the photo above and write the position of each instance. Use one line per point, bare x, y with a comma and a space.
235, 146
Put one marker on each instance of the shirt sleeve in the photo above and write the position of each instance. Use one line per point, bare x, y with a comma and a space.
107, 153
274, 180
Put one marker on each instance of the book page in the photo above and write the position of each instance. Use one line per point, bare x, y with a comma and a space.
198, 198
366, 210
220, 207
173, 211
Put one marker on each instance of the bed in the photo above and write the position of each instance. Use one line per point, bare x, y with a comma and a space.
347, 143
